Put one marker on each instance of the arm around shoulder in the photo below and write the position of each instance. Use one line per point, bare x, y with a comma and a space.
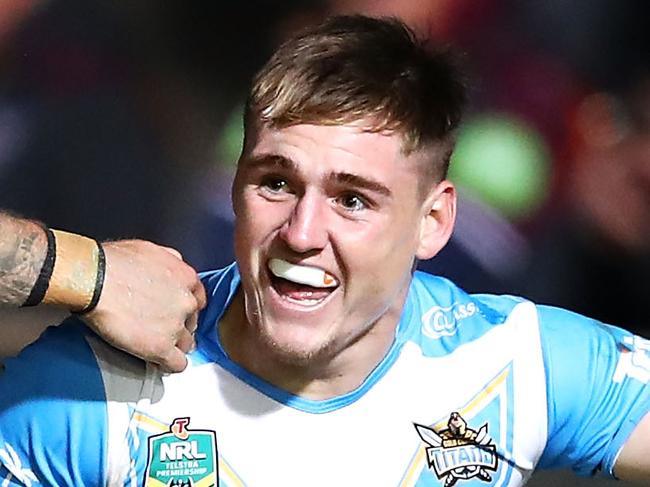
138, 296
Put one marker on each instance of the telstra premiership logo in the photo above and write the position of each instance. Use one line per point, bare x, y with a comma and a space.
182, 457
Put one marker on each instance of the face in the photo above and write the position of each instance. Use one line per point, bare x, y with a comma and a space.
328, 221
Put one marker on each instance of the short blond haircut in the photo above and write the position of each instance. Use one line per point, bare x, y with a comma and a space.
357, 68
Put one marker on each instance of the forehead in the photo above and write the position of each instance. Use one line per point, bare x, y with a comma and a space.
349, 145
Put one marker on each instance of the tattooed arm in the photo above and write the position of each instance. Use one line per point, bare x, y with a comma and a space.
23, 246
150, 299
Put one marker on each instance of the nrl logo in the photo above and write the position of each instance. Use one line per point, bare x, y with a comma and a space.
458, 452
182, 457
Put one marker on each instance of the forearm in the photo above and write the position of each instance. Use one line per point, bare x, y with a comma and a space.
47, 266
23, 246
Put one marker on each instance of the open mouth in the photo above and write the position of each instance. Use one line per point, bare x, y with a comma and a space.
305, 285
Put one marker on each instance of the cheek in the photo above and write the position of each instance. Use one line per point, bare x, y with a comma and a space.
390, 235
383, 250
258, 220
248, 232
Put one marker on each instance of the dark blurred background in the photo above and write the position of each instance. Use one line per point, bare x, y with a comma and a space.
123, 119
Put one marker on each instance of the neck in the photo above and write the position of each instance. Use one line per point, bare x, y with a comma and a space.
325, 377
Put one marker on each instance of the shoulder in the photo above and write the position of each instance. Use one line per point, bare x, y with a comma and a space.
49, 395
220, 287
437, 290
58, 360
441, 313
444, 309
220, 281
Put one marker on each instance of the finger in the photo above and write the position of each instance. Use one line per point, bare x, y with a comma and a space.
185, 342
174, 361
192, 323
199, 293
173, 251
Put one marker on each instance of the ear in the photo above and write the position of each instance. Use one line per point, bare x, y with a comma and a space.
437, 221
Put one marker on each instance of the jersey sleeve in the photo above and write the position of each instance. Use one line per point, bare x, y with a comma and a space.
597, 390
53, 413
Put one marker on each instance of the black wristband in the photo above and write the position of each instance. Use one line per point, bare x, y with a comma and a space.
42, 283
99, 281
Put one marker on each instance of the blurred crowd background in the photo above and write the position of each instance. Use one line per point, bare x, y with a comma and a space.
123, 119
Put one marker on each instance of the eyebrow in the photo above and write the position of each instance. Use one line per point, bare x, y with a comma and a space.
360, 182
271, 160
343, 178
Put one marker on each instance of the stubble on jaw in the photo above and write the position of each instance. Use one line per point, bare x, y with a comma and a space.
283, 353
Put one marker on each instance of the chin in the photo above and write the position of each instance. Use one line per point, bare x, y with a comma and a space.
295, 352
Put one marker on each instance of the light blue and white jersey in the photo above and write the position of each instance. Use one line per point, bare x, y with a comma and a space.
475, 391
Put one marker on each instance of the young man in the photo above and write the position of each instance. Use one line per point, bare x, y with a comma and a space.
321, 358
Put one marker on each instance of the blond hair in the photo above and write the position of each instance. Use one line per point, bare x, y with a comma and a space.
357, 68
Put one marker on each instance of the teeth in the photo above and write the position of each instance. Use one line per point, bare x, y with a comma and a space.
312, 276
306, 302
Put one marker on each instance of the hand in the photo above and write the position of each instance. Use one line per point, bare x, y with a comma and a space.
149, 304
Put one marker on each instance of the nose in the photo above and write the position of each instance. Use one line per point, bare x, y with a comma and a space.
306, 228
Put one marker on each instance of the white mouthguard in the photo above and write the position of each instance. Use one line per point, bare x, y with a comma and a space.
312, 276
